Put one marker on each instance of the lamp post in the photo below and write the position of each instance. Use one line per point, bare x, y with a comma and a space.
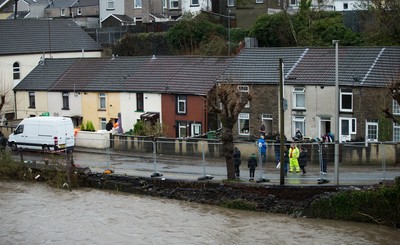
337, 134
229, 32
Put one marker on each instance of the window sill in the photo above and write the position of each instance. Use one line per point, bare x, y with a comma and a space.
101, 109
139, 111
110, 9
65, 109
299, 109
31, 107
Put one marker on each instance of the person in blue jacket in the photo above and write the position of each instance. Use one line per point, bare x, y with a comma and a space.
262, 149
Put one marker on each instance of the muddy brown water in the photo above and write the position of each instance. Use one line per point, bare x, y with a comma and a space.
38, 214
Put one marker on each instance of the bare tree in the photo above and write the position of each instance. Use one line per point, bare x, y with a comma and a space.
394, 91
227, 101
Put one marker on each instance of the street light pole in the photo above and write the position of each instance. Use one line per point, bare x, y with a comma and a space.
337, 134
229, 32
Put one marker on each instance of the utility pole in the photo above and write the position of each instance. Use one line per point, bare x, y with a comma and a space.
282, 124
337, 134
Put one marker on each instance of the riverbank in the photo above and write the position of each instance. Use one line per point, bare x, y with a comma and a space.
379, 204
355, 202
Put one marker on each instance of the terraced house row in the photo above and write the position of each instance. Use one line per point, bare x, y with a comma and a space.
173, 90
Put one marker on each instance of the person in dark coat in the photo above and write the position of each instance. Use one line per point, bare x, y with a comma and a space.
277, 147
109, 125
237, 161
252, 164
303, 159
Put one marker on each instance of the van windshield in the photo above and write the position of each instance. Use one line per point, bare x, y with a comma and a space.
19, 129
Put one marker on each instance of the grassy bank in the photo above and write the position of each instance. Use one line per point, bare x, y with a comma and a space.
380, 205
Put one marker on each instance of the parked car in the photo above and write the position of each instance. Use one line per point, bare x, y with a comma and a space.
43, 133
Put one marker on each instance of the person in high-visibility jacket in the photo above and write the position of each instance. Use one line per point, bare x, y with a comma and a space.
294, 154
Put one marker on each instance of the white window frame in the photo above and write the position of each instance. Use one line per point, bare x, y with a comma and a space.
79, 11
171, 4
32, 100
395, 108
297, 92
62, 12
396, 132
243, 116
16, 71
102, 101
342, 94
259, 1
181, 100
370, 126
103, 123
293, 3
300, 123
194, 3
137, 4
110, 4
195, 129
182, 126
165, 4
244, 89
352, 123
65, 100
230, 3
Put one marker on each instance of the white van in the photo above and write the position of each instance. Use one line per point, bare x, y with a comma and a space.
43, 133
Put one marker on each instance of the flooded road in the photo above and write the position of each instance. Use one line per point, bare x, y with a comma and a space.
38, 214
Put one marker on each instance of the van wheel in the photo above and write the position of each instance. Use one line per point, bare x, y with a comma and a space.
14, 147
45, 148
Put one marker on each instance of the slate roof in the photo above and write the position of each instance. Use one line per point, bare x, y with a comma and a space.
168, 74
358, 66
121, 18
31, 36
86, 3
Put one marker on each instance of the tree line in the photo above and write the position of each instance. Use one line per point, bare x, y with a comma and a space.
378, 25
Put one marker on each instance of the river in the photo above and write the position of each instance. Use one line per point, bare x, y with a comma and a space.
34, 213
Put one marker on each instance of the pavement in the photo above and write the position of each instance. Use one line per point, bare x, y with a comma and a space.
192, 168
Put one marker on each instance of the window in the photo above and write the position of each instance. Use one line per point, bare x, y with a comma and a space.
259, 1
196, 129
103, 123
78, 11
32, 100
138, 4
299, 123
62, 12
293, 2
299, 98
182, 129
164, 4
396, 108
243, 124
16, 71
139, 102
65, 100
371, 133
244, 89
231, 3
396, 132
110, 4
173, 4
181, 104
347, 127
345, 6
194, 2
19, 129
346, 100
102, 101
267, 121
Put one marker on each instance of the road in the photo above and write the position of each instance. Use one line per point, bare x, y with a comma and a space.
175, 167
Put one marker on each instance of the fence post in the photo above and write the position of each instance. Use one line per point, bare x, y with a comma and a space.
155, 173
383, 162
204, 177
